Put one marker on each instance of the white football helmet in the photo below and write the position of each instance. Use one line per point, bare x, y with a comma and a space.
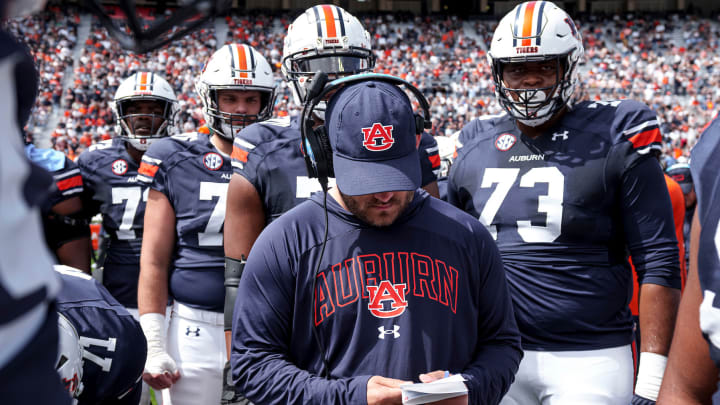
235, 67
144, 86
324, 38
536, 31
69, 364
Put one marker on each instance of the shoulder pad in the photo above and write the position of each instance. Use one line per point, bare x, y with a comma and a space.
185, 137
277, 121
481, 127
101, 145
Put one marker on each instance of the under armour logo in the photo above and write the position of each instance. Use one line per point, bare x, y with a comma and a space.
195, 332
563, 135
393, 331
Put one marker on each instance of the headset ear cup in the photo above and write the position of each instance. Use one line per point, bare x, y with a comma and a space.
419, 124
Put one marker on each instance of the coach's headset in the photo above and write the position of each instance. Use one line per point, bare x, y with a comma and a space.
318, 152
315, 141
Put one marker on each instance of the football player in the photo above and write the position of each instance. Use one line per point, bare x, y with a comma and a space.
182, 247
113, 345
145, 110
692, 371
270, 175
568, 191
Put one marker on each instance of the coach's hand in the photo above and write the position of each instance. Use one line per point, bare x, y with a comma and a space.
436, 375
384, 391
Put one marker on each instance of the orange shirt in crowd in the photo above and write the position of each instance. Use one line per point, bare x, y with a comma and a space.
678, 204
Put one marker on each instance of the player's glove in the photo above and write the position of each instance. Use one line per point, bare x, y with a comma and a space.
638, 400
229, 395
649, 378
158, 360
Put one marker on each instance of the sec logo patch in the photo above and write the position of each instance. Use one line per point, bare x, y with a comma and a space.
505, 141
119, 167
213, 161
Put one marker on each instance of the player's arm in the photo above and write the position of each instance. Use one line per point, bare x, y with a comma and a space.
155, 255
71, 234
650, 234
244, 220
691, 377
432, 189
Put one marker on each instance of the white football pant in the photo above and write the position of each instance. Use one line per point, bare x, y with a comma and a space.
588, 377
196, 341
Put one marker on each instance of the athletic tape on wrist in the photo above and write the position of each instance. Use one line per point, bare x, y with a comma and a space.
153, 326
650, 374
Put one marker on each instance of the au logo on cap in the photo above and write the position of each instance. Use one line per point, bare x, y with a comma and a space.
379, 137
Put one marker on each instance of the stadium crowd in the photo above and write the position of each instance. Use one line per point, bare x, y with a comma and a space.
670, 69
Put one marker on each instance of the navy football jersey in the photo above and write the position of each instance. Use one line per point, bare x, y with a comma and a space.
705, 169
112, 189
67, 182
268, 155
425, 293
429, 159
194, 176
27, 283
566, 209
114, 346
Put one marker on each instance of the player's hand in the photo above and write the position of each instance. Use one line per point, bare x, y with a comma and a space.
160, 371
384, 391
436, 375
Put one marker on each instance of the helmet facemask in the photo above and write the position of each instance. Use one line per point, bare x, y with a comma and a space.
534, 107
228, 125
141, 129
300, 67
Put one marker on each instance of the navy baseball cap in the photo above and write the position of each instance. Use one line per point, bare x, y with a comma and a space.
680, 172
371, 128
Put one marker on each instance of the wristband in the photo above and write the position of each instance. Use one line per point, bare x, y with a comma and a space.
650, 374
